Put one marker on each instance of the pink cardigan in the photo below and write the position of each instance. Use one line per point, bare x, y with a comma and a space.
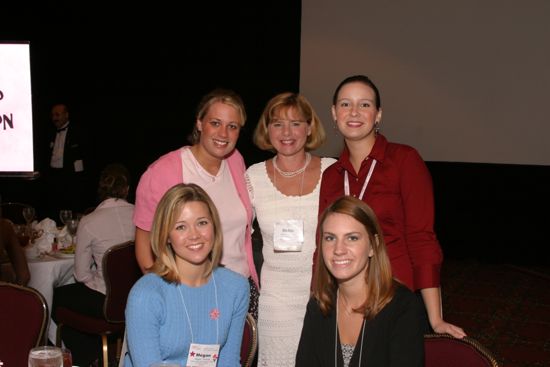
166, 172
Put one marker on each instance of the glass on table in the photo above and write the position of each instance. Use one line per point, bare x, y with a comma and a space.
29, 214
46, 356
72, 226
22, 234
65, 215
67, 357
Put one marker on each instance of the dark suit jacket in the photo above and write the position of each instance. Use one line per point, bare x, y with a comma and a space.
74, 148
394, 338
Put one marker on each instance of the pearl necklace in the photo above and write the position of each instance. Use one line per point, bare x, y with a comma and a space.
291, 174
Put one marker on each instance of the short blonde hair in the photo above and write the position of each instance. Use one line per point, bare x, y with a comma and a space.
166, 215
285, 102
225, 96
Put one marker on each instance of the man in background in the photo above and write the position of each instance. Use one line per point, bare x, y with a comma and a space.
67, 173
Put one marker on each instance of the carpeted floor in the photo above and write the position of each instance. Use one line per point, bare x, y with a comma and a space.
506, 308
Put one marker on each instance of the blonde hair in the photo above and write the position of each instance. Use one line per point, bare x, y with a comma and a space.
283, 103
378, 277
166, 215
225, 96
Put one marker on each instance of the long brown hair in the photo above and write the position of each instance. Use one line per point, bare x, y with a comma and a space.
378, 277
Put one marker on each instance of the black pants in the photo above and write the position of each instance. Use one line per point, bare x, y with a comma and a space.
85, 348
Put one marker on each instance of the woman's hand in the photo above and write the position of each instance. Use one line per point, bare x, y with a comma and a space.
442, 327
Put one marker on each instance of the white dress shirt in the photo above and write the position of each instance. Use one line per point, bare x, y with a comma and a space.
59, 147
108, 225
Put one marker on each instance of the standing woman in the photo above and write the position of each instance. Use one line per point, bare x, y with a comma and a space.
213, 163
285, 192
393, 179
187, 309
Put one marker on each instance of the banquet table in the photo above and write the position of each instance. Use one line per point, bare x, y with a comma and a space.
48, 272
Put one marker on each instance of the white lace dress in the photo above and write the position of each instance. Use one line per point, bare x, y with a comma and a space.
286, 276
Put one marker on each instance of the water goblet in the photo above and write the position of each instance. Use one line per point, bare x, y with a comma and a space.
65, 215
45, 356
72, 226
28, 214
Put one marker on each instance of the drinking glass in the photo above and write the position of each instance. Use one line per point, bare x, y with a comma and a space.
46, 357
67, 357
65, 215
28, 214
72, 226
22, 234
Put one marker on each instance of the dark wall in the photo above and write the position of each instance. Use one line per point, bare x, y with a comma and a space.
493, 212
133, 75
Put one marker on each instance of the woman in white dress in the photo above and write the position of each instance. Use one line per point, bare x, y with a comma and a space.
284, 192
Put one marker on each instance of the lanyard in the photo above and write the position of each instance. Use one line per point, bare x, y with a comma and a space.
367, 179
187, 313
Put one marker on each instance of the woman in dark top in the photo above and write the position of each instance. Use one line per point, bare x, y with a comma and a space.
358, 315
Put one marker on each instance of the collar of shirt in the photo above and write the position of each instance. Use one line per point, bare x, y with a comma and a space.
63, 128
378, 152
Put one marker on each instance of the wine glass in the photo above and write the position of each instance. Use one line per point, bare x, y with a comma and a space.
65, 215
28, 214
45, 356
67, 357
72, 226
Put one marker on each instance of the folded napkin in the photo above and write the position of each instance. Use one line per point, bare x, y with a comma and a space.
49, 232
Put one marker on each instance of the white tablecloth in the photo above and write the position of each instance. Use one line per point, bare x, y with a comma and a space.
47, 273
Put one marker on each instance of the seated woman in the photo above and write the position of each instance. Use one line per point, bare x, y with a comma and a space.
358, 315
9, 243
108, 225
187, 309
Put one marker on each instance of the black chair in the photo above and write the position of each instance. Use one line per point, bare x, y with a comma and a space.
23, 322
120, 271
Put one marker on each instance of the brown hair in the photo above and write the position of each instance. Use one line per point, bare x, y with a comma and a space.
114, 182
378, 277
166, 215
283, 103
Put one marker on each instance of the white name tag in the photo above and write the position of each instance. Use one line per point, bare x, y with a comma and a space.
288, 235
203, 355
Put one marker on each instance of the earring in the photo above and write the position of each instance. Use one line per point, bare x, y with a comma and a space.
376, 127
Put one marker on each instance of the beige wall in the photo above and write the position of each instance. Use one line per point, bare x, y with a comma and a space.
464, 81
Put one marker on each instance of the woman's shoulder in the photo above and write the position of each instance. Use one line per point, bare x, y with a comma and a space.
256, 168
326, 162
149, 282
404, 297
401, 150
166, 160
230, 279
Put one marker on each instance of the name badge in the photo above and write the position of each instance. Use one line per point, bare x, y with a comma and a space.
205, 355
288, 235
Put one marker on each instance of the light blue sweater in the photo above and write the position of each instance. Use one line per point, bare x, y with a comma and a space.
157, 325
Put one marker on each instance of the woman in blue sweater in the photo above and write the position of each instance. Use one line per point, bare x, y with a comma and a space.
187, 308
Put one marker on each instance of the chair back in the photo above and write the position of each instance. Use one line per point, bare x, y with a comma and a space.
120, 271
13, 212
443, 350
23, 321
250, 341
